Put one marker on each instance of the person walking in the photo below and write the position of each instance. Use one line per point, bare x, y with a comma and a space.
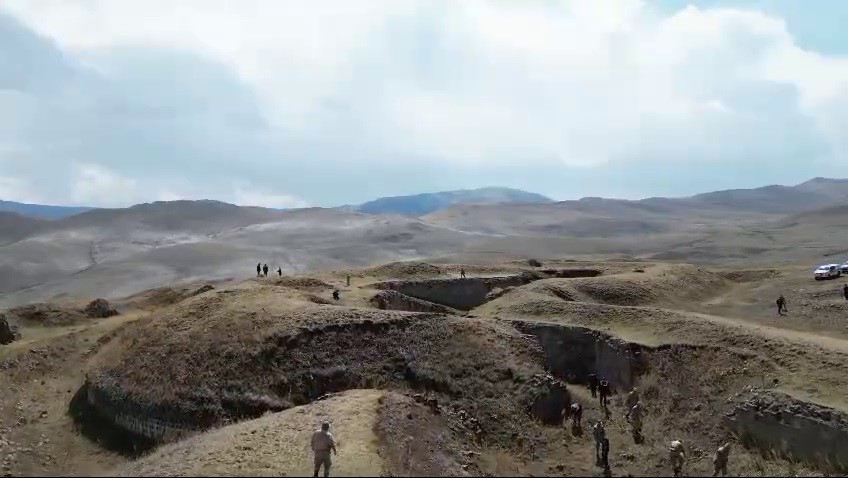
259, 270
322, 444
265, 269
781, 305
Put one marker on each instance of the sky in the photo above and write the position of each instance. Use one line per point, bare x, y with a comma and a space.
291, 104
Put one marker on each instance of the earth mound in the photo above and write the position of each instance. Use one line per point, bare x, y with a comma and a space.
655, 285
100, 309
406, 269
221, 358
46, 315
301, 283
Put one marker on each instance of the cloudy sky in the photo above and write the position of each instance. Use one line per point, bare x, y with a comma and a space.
327, 102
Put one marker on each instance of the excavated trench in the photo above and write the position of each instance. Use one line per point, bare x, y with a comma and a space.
466, 294
767, 421
799, 430
394, 354
573, 353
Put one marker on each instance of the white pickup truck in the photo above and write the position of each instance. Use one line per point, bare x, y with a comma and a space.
827, 271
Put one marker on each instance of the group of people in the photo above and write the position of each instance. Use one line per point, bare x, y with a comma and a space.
262, 270
676, 453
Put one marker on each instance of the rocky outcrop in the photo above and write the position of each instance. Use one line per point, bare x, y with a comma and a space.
100, 309
801, 430
8, 332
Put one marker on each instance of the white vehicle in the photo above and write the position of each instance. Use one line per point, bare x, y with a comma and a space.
844, 268
827, 271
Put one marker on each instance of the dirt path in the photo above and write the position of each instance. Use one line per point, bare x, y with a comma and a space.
43, 371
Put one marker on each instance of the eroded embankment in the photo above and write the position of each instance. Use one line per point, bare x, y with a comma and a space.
467, 293
797, 429
461, 362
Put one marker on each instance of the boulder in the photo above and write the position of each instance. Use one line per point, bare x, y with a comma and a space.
100, 309
8, 332
534, 263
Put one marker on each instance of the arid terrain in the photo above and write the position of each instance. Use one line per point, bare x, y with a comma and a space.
423, 373
190, 364
118, 252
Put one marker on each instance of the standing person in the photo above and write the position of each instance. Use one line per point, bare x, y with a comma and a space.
634, 415
593, 385
322, 444
265, 269
599, 435
462, 273
348, 280
720, 460
632, 398
605, 453
781, 305
259, 270
845, 291
280, 271
604, 393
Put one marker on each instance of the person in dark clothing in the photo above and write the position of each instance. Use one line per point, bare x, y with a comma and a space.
265, 269
259, 270
593, 384
604, 393
462, 273
781, 305
845, 291
280, 271
605, 453
336, 294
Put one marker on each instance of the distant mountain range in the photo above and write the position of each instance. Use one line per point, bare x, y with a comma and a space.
774, 199
39, 210
55, 251
420, 204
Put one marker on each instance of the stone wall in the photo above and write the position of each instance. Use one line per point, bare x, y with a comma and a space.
801, 430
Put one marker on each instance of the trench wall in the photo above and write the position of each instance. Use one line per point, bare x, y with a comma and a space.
801, 430
462, 294
574, 353
394, 300
127, 417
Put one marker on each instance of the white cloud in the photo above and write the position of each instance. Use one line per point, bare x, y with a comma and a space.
94, 185
472, 83
16, 189
247, 194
